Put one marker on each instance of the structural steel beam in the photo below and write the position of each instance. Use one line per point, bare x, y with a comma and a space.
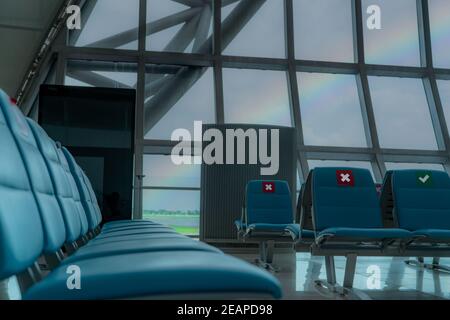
95, 79
161, 103
131, 35
204, 23
184, 36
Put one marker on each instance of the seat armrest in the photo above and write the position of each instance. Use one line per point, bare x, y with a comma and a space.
240, 225
321, 239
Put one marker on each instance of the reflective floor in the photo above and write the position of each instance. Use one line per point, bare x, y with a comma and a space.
378, 277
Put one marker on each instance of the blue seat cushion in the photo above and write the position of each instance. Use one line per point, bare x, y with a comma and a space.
121, 223
437, 234
121, 233
135, 228
157, 274
142, 237
268, 227
136, 246
369, 234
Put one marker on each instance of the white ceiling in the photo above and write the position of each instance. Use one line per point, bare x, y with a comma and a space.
23, 24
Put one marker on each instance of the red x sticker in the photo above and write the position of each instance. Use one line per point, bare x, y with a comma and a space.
345, 178
268, 187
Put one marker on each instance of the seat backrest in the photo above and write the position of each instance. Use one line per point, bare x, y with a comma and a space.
41, 184
21, 233
82, 189
387, 202
344, 197
421, 199
75, 193
269, 202
60, 182
94, 200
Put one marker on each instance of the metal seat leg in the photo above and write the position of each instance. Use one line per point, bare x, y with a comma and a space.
266, 249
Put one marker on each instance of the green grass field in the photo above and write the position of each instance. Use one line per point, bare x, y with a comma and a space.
190, 231
183, 223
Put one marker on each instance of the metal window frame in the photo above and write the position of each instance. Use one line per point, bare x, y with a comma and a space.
374, 153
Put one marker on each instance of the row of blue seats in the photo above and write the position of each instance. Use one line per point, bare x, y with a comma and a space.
343, 203
48, 211
420, 208
341, 214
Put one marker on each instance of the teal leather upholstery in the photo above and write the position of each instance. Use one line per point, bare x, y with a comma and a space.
159, 274
41, 184
349, 210
19, 214
85, 197
84, 225
422, 206
268, 210
60, 182
39, 214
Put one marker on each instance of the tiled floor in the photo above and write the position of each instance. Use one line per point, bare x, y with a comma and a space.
393, 279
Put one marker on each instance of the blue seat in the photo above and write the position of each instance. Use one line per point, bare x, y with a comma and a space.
93, 250
64, 195
73, 217
75, 193
422, 203
365, 233
117, 239
21, 234
122, 225
133, 237
32, 224
91, 195
91, 214
266, 211
268, 216
160, 274
39, 178
53, 190
90, 205
347, 221
349, 208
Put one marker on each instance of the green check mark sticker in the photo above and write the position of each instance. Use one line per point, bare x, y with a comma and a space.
425, 178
